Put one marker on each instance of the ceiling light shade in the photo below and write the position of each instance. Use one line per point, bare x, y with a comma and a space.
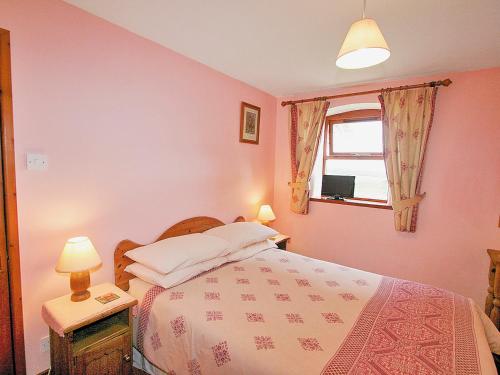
364, 46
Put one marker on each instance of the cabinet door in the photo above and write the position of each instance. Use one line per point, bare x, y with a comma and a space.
113, 357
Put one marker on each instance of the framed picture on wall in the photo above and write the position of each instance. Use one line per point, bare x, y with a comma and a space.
249, 123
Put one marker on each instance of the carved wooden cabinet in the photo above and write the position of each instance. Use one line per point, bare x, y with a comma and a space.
99, 347
492, 307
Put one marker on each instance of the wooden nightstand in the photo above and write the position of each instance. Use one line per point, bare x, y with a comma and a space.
281, 241
89, 337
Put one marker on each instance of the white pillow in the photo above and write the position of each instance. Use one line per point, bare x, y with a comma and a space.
173, 278
251, 250
175, 253
242, 234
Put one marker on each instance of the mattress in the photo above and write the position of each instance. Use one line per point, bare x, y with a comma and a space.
283, 313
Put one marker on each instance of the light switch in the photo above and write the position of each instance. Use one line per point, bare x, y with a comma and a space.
36, 162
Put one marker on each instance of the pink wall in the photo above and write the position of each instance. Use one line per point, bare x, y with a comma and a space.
138, 137
458, 218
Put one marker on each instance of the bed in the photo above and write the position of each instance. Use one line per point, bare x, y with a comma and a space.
280, 312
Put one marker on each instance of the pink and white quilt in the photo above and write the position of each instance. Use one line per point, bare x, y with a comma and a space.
283, 313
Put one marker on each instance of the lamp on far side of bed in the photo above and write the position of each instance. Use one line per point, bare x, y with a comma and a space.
266, 214
78, 258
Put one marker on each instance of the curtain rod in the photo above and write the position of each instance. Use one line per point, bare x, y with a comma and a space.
445, 82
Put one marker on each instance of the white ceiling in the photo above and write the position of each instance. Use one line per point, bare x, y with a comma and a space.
290, 46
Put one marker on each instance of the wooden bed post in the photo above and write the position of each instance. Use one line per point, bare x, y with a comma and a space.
492, 307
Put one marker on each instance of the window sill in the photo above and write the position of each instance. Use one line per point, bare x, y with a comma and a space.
353, 202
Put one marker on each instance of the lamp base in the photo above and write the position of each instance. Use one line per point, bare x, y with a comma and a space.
79, 282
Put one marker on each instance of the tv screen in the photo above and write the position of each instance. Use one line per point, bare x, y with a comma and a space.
333, 185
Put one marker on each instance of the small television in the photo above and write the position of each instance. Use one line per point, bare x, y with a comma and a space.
338, 187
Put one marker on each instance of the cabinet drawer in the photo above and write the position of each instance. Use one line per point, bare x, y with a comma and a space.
112, 357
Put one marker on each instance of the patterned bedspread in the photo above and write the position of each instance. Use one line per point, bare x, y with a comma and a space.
283, 313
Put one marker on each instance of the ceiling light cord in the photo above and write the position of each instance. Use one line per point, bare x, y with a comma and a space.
364, 9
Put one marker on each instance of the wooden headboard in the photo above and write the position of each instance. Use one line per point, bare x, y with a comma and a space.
193, 225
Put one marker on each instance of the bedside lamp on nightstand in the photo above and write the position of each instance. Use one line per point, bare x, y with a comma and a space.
266, 214
79, 257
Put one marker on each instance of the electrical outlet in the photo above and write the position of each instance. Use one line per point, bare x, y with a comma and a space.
44, 344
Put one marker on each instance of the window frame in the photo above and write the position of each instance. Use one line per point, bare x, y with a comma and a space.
345, 117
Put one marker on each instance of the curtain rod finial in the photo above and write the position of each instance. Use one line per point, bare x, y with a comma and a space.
446, 82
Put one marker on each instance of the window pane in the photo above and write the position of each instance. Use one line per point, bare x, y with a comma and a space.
362, 136
371, 180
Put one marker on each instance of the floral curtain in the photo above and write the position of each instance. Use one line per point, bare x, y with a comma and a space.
407, 119
306, 122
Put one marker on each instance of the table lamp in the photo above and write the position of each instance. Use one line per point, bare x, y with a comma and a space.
78, 257
266, 214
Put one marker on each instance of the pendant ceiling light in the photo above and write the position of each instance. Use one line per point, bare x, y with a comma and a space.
364, 45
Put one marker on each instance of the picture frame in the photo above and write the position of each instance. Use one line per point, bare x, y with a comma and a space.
249, 123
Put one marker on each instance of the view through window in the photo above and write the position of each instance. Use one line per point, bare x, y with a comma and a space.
353, 147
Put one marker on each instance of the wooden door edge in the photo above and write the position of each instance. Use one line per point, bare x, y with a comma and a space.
9, 171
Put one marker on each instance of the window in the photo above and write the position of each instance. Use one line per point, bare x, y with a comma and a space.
353, 147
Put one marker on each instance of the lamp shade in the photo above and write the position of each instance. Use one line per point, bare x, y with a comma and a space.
364, 46
78, 255
266, 213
